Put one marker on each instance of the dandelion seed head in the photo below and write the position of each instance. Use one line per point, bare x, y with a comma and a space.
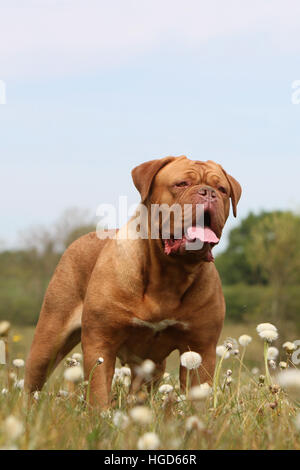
13, 427
222, 351
19, 384
125, 371
141, 414
165, 388
77, 357
193, 422
265, 326
146, 369
200, 392
18, 363
120, 420
148, 441
190, 360
244, 340
272, 353
268, 335
73, 374
289, 347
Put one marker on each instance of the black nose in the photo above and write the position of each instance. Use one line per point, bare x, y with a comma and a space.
207, 192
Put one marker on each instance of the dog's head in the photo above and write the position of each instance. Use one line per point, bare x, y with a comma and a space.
188, 184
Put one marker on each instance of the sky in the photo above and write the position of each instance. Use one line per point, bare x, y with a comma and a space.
94, 88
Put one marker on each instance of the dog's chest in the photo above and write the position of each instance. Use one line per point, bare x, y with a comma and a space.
151, 340
160, 325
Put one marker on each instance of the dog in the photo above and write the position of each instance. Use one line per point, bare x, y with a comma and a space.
141, 298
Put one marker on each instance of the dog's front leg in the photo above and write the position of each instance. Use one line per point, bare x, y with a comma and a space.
99, 343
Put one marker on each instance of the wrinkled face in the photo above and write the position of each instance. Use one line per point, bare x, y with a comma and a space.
192, 183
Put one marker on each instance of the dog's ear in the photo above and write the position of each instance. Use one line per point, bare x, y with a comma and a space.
144, 174
235, 191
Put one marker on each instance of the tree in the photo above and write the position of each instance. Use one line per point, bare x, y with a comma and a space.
274, 250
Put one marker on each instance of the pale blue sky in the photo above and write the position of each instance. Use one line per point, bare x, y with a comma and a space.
95, 89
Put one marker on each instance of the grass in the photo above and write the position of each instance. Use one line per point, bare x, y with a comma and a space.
258, 419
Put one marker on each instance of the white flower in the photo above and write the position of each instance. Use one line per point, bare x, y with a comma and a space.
228, 380
13, 427
73, 374
36, 395
228, 345
148, 441
268, 335
255, 370
125, 372
289, 379
19, 384
265, 326
244, 340
18, 363
235, 352
289, 347
146, 369
282, 365
190, 360
228, 372
120, 420
272, 353
141, 414
181, 398
62, 393
71, 362
166, 376
4, 391
100, 360
200, 392
272, 364
193, 422
165, 388
222, 351
13, 376
297, 421
4, 328
77, 357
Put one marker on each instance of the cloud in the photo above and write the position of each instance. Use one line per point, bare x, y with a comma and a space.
73, 36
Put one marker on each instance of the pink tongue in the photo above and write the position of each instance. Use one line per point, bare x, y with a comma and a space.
206, 235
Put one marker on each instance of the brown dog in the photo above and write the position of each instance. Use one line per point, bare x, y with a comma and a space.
140, 298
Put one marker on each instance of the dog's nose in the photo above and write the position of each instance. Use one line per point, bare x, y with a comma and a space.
208, 193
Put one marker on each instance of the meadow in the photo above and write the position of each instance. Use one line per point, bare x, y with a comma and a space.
242, 411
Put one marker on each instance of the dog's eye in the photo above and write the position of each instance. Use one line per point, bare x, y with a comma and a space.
181, 184
222, 189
